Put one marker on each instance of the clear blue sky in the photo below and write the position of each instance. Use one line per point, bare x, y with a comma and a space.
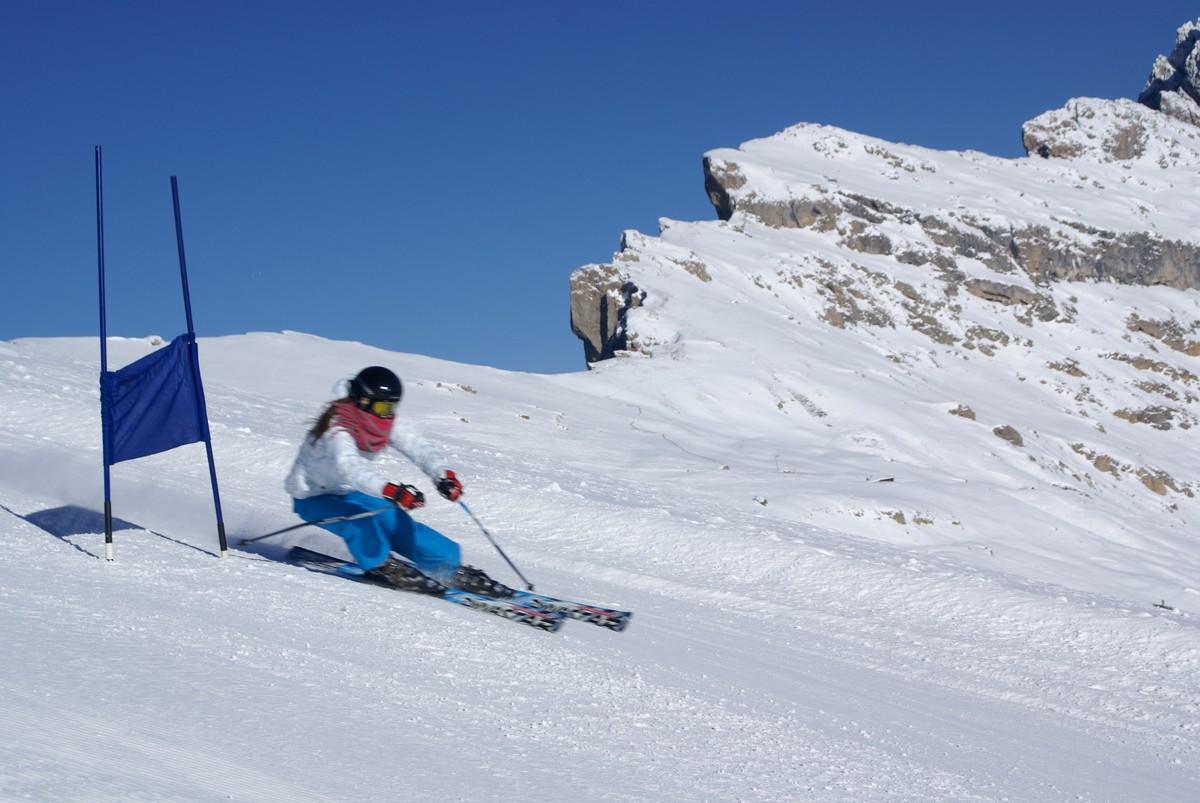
425, 177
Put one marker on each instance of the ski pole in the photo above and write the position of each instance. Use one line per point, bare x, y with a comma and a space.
528, 584
364, 514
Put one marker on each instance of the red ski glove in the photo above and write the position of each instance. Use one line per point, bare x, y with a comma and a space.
406, 496
449, 486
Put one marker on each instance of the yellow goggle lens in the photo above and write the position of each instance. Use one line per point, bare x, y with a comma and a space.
383, 409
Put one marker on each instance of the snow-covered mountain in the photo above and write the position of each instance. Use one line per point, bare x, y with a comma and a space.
1011, 343
891, 462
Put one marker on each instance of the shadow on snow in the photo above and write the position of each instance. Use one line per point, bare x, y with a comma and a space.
68, 520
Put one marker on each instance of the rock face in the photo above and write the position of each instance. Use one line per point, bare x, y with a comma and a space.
601, 296
1027, 240
1174, 84
1111, 131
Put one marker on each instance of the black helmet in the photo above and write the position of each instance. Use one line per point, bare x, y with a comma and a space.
376, 383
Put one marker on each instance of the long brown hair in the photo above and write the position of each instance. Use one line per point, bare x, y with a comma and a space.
322, 423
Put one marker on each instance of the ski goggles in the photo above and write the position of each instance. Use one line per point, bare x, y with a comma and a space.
382, 408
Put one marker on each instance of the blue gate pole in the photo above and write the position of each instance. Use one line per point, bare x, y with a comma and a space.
195, 354
108, 529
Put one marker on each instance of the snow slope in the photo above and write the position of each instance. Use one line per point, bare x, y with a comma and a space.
773, 656
820, 414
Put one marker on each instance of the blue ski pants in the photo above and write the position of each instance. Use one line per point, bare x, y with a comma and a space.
371, 538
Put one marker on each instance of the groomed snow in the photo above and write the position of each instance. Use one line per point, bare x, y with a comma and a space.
781, 651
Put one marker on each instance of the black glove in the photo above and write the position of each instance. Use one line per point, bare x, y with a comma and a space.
449, 486
406, 496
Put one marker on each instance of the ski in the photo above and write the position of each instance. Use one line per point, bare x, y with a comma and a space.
584, 612
513, 609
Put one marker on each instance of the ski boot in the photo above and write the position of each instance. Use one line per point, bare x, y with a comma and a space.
404, 576
468, 578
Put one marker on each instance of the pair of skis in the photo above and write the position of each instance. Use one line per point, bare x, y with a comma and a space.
539, 611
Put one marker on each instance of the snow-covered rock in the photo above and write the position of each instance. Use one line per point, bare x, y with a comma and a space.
600, 298
1174, 84
1127, 220
1106, 131
1108, 192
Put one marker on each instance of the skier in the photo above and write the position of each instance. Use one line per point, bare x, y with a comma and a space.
333, 476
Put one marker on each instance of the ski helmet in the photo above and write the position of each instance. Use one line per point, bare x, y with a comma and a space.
375, 384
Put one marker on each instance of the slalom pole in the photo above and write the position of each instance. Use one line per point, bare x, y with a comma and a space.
108, 528
511, 565
363, 515
195, 355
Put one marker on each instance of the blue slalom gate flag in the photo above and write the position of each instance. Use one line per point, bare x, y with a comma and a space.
152, 404
155, 403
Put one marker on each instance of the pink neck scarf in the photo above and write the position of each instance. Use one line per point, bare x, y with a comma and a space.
370, 432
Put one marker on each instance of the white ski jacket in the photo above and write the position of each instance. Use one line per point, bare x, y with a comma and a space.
335, 465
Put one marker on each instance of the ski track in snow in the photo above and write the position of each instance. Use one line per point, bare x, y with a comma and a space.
766, 660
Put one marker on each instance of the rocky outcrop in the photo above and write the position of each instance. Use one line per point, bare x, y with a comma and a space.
1174, 84
1134, 258
1110, 130
1037, 305
1037, 250
718, 180
1170, 332
963, 411
601, 296
1113, 131
1008, 433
